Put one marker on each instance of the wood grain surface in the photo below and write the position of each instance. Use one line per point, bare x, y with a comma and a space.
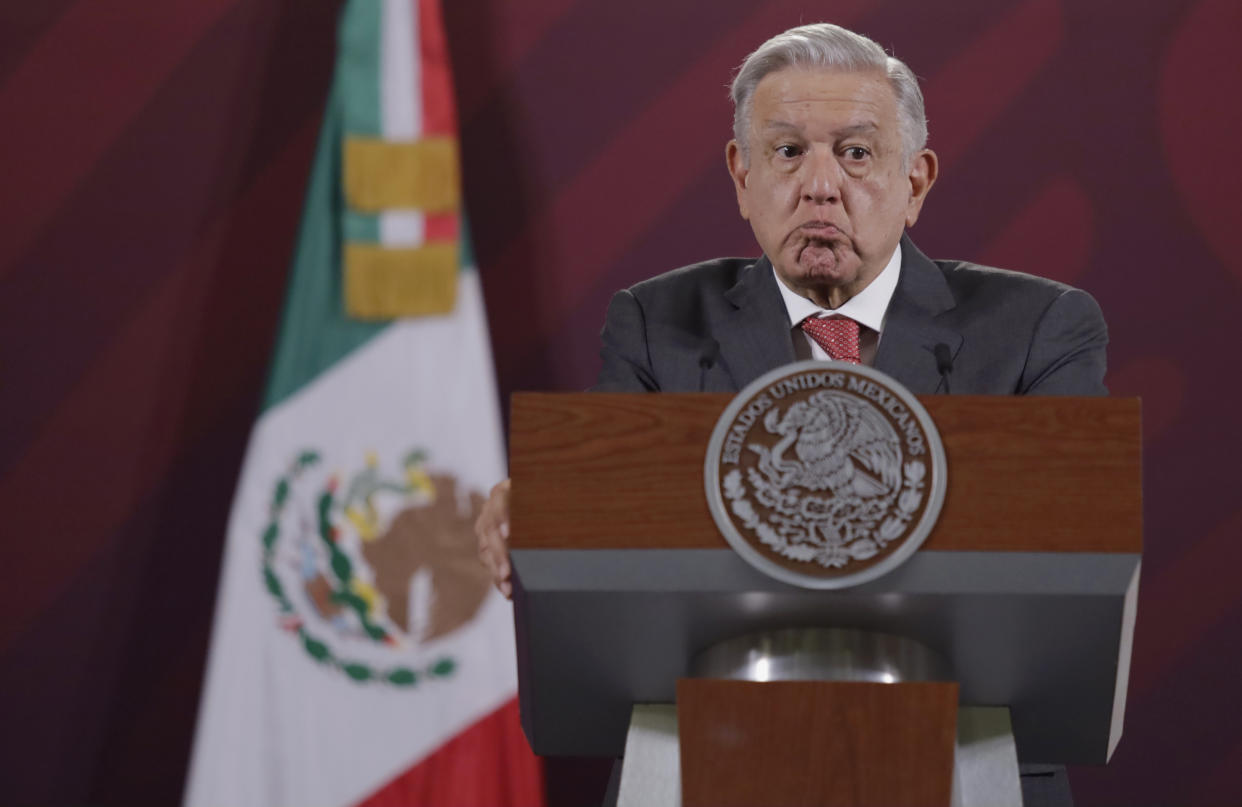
614, 471
796, 743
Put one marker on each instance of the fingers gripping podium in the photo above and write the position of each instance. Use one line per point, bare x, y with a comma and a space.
1024, 589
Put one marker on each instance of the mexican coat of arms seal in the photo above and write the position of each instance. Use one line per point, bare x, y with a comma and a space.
825, 475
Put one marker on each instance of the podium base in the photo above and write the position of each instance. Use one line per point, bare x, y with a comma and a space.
985, 770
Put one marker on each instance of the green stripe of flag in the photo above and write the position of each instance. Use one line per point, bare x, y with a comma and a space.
358, 67
314, 330
361, 227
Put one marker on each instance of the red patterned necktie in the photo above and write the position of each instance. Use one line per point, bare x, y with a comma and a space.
838, 336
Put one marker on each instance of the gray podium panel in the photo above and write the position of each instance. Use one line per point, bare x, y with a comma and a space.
1046, 634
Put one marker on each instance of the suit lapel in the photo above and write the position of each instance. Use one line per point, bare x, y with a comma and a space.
755, 336
911, 329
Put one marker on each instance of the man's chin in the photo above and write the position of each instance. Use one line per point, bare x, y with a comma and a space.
820, 265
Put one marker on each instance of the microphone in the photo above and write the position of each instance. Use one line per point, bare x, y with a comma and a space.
944, 363
711, 350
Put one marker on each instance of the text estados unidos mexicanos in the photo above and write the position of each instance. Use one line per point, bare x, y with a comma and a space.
905, 421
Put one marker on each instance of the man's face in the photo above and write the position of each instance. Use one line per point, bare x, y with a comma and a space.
826, 188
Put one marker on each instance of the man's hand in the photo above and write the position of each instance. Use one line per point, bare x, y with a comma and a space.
492, 530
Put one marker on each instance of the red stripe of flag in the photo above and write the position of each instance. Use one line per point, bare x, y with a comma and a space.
442, 226
439, 117
489, 764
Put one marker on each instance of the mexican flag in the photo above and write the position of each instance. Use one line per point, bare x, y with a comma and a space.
359, 653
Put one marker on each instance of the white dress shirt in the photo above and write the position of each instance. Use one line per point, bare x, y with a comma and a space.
868, 308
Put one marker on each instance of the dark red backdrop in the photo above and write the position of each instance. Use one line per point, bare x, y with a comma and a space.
153, 161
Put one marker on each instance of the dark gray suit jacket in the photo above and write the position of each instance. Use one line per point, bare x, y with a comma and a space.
718, 325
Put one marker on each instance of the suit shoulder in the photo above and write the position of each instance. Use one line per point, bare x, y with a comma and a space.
711, 277
976, 282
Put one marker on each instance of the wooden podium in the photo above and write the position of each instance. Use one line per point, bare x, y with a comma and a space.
1026, 587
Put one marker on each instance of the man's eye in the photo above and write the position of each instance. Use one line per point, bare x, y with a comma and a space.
788, 151
857, 153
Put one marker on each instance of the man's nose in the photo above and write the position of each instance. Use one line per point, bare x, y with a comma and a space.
821, 182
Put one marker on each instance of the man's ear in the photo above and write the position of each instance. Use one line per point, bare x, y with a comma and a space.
739, 170
924, 168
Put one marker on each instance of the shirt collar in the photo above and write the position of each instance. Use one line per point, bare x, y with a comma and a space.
867, 308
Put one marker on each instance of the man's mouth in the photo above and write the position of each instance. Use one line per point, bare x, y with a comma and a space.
817, 243
820, 229
817, 252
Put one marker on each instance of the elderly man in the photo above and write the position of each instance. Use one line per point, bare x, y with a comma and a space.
830, 165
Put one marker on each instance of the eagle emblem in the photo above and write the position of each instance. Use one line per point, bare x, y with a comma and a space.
824, 468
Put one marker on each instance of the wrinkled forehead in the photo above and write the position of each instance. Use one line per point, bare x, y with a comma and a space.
827, 91
821, 103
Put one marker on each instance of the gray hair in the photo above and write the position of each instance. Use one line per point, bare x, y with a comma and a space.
824, 45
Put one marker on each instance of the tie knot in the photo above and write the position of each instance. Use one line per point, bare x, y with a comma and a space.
838, 336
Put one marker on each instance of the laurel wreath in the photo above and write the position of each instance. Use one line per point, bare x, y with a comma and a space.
836, 551
343, 570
